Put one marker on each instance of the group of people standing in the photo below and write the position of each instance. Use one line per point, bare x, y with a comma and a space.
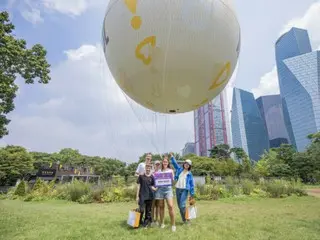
151, 199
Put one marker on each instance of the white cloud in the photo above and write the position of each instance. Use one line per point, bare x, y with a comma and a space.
83, 108
268, 84
70, 7
34, 10
310, 21
32, 15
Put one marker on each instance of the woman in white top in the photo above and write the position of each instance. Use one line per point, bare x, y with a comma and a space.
184, 185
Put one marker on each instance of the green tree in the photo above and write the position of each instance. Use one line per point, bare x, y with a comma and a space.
240, 154
262, 168
273, 164
40, 159
69, 156
15, 162
315, 137
17, 60
285, 153
221, 151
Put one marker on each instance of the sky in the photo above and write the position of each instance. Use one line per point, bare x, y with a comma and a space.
83, 108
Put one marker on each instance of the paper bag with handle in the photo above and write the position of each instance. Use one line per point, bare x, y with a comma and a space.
191, 210
134, 218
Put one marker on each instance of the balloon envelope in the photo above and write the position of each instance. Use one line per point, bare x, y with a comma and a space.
171, 56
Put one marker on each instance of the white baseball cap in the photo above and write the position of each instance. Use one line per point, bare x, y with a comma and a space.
188, 161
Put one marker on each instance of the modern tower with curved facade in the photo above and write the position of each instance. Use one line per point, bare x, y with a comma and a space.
270, 107
248, 129
298, 73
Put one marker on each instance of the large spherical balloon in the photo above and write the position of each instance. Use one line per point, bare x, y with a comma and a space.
171, 56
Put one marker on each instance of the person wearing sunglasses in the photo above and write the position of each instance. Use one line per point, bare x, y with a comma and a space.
184, 185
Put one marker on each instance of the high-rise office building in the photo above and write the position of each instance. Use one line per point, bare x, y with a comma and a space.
210, 125
188, 148
271, 112
298, 73
248, 129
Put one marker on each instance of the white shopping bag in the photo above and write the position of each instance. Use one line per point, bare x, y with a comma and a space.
191, 212
134, 218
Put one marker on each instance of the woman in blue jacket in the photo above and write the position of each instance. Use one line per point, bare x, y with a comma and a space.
184, 185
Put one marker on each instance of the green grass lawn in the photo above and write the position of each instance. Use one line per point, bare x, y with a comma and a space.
283, 219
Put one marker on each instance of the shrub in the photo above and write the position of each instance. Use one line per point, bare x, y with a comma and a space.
38, 184
276, 188
21, 189
82, 192
282, 188
75, 190
257, 192
130, 192
85, 199
97, 193
247, 186
232, 186
208, 179
113, 194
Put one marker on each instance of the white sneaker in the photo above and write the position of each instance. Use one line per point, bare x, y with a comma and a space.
162, 226
174, 228
157, 224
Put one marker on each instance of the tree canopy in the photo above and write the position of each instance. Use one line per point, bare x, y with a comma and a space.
282, 162
17, 60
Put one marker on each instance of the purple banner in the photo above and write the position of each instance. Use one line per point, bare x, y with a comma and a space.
163, 179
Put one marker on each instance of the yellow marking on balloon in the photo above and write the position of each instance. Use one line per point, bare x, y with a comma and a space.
136, 22
148, 40
204, 101
217, 82
132, 5
196, 106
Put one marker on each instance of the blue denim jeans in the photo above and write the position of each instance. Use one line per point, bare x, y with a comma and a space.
182, 196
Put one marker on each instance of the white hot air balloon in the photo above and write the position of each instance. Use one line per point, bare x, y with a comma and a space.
171, 56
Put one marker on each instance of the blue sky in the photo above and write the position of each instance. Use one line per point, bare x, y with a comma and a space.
83, 108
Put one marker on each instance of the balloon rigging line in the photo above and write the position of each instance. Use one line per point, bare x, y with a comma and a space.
146, 130
106, 109
165, 133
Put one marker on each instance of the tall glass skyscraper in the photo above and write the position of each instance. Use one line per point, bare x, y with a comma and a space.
248, 129
271, 112
210, 125
299, 73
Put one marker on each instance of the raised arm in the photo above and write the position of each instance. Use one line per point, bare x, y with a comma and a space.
174, 162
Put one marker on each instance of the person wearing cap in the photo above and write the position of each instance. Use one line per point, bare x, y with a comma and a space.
155, 203
184, 185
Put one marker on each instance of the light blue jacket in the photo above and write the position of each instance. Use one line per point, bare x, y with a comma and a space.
189, 178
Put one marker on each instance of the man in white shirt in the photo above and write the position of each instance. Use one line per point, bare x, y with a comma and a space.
142, 166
